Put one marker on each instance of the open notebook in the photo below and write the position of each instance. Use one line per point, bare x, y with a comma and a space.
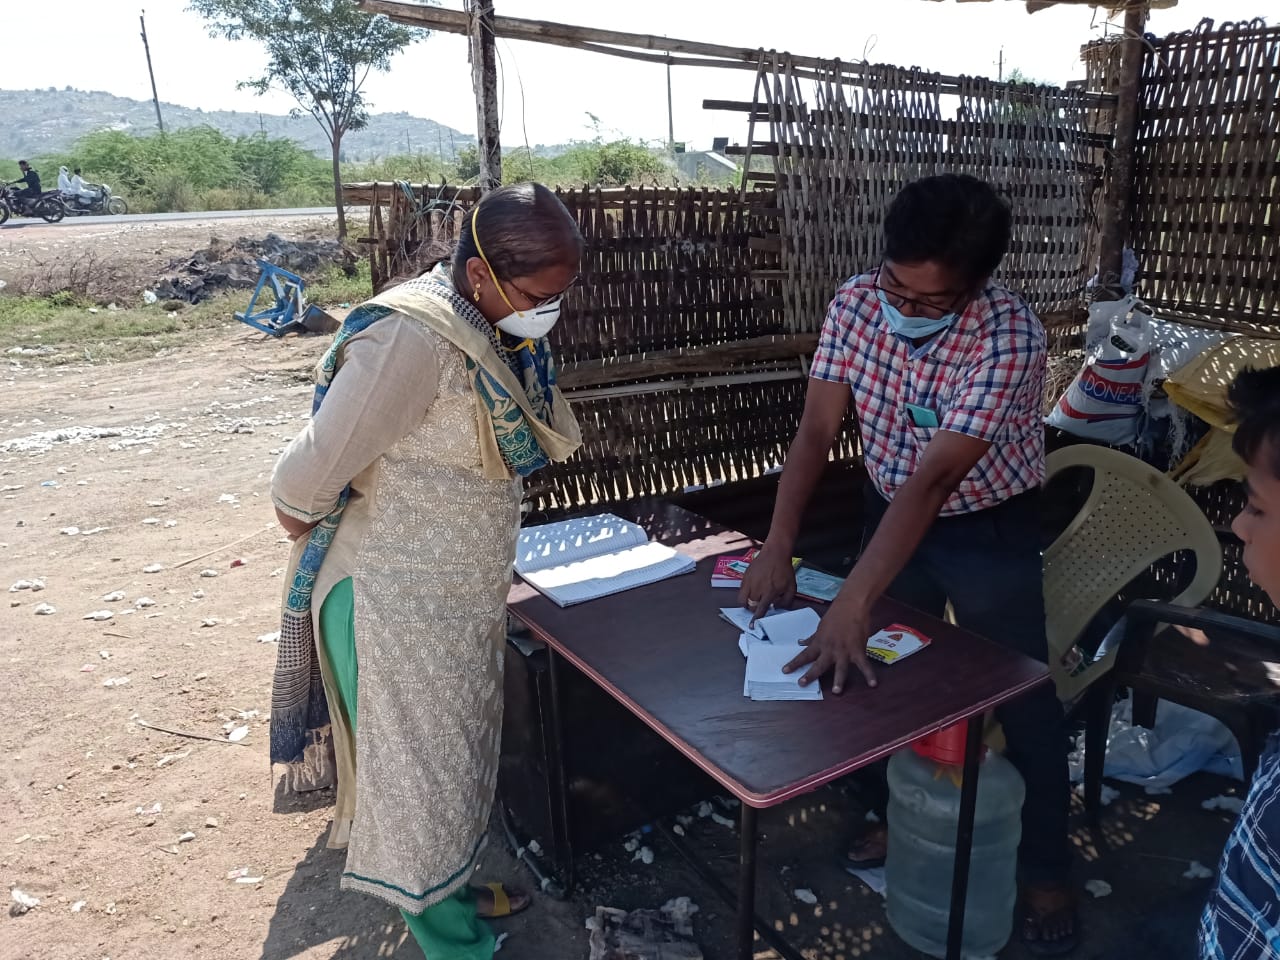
591, 557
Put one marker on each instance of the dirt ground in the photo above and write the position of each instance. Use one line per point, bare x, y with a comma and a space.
135, 840
133, 250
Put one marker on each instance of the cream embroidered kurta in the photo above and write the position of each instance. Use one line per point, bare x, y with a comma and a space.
428, 543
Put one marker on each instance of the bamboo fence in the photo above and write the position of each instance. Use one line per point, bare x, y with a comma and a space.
684, 346
843, 146
672, 345
1205, 220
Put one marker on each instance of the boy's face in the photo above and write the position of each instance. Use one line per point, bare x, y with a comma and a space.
1258, 524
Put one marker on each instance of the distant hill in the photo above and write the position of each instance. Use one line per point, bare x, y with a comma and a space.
50, 121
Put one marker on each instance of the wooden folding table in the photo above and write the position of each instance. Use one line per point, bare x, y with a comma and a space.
663, 653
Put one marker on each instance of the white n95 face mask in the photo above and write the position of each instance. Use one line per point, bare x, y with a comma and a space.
531, 324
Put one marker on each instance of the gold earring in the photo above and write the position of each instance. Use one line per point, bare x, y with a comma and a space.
475, 295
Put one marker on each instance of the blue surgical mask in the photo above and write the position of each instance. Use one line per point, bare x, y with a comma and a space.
915, 328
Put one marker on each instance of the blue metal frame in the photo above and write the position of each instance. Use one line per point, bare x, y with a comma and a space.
286, 314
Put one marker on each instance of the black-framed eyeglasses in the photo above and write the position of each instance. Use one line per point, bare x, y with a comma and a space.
543, 301
911, 305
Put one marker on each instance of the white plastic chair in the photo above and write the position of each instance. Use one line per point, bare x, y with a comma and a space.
1134, 516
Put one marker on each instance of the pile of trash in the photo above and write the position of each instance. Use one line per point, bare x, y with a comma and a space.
233, 266
662, 934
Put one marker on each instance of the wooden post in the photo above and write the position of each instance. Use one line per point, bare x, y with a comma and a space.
484, 78
155, 97
1117, 207
671, 119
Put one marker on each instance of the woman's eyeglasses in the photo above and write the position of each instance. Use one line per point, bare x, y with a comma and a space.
542, 301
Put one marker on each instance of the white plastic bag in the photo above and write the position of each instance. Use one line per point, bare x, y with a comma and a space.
1105, 399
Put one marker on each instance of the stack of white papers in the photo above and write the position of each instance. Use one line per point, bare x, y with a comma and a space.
592, 557
765, 679
769, 645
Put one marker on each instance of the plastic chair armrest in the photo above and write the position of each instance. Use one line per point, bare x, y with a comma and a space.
1154, 612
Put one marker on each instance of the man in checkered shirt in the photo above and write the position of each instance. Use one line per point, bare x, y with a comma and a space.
946, 373
1242, 918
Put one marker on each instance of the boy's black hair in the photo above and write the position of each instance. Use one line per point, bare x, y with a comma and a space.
1255, 399
953, 219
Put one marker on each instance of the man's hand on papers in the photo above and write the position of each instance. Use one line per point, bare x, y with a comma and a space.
839, 643
769, 581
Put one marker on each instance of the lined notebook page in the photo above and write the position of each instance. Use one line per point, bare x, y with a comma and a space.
556, 544
610, 573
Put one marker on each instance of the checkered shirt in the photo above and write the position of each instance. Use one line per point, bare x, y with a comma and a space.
983, 377
1242, 918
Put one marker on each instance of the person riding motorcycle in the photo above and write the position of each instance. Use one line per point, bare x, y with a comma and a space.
76, 190
32, 180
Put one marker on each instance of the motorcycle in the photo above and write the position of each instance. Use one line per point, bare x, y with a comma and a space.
48, 206
103, 201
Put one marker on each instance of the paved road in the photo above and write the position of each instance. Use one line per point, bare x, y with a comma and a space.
18, 222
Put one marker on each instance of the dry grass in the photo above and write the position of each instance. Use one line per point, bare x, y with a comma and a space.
89, 277
64, 328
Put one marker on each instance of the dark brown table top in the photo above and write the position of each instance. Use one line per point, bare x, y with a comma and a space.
664, 653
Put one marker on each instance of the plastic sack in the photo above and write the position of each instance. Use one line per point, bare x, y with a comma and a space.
1105, 399
1183, 742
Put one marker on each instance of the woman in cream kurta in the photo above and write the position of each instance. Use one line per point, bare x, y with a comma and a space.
423, 554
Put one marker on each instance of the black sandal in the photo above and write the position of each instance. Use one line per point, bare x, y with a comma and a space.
866, 863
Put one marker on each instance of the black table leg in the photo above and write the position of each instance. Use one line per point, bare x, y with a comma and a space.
767, 934
747, 882
964, 836
562, 829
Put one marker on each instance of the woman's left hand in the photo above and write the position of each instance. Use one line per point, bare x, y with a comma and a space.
294, 527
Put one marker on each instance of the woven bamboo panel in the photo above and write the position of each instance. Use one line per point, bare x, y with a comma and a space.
670, 344
845, 142
1236, 592
1206, 219
665, 442
664, 269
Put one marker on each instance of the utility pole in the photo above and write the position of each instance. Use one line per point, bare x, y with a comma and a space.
1000, 67
671, 122
484, 78
155, 97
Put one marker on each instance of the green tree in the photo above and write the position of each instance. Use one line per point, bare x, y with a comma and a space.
270, 164
466, 165
321, 52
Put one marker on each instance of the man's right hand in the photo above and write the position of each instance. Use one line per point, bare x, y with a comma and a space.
770, 580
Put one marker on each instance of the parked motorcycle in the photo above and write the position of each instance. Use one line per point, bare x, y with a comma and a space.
48, 206
102, 202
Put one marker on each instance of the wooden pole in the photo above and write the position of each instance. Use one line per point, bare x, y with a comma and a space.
484, 78
1118, 205
671, 120
616, 43
155, 97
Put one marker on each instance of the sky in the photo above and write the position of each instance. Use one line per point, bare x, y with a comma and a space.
548, 92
